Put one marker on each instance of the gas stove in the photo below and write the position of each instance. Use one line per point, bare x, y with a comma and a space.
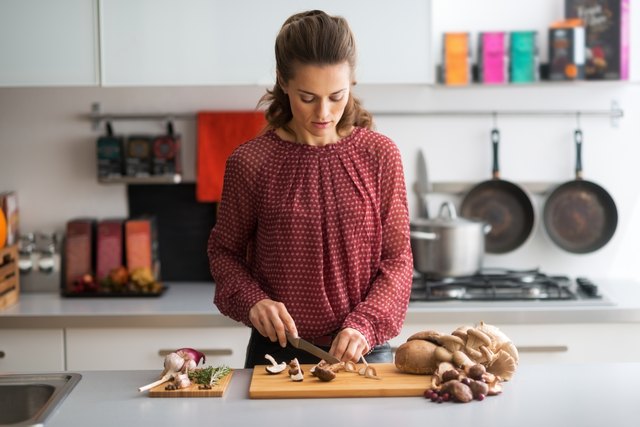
494, 284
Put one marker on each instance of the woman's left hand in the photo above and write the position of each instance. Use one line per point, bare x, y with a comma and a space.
349, 344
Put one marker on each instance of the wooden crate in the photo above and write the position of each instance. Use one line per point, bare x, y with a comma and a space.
9, 276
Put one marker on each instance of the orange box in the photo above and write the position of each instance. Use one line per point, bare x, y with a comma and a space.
141, 244
457, 59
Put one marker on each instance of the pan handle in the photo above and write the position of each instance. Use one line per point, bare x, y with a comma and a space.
577, 137
495, 141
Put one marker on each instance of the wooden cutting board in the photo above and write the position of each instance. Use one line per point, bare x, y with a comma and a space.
346, 384
193, 390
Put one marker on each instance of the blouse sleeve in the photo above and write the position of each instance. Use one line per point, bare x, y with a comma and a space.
236, 290
381, 315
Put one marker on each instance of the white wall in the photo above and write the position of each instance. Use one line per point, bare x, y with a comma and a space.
47, 150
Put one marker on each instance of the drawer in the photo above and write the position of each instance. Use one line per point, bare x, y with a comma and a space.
145, 348
31, 350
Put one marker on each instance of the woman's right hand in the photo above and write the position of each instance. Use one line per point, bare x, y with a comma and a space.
272, 319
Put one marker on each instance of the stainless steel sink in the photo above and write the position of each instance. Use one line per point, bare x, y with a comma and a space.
29, 399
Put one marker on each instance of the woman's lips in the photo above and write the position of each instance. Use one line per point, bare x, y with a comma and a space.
320, 125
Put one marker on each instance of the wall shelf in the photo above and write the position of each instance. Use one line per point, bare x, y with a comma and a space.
153, 179
460, 188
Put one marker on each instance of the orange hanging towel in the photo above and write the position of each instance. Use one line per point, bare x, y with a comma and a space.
219, 133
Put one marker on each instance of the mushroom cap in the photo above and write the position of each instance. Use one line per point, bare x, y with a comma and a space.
477, 338
427, 335
416, 357
497, 336
452, 342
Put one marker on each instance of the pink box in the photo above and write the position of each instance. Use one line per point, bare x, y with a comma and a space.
492, 58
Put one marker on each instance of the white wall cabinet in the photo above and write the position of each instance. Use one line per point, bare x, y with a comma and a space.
220, 42
48, 43
563, 343
31, 350
145, 348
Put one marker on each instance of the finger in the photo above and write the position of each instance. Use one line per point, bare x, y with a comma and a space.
269, 329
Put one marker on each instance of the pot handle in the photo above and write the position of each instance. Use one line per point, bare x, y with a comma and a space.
451, 211
423, 235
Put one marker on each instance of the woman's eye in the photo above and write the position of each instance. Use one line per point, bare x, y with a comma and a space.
336, 98
307, 99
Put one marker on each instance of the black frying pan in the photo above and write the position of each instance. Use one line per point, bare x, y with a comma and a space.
580, 216
503, 205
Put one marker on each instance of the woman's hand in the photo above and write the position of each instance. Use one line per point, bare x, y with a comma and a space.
272, 319
349, 344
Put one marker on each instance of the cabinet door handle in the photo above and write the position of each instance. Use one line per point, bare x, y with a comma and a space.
1, 354
543, 348
207, 351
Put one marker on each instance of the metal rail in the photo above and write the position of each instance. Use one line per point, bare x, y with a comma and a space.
614, 114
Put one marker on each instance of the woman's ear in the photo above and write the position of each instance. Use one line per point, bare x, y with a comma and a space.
282, 85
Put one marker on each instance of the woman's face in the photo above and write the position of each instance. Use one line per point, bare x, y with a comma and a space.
318, 97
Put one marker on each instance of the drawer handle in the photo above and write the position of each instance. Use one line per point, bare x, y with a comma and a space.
206, 351
543, 349
532, 349
1, 354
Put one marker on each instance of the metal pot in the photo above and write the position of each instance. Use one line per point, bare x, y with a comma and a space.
448, 246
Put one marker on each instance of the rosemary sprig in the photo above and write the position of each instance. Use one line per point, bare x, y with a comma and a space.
209, 375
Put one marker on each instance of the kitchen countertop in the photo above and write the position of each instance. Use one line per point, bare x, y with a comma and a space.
538, 395
191, 305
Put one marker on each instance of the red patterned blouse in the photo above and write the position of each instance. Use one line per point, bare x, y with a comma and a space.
324, 230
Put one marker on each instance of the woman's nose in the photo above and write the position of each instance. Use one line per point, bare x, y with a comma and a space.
323, 108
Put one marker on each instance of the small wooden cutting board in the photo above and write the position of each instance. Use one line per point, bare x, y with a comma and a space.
193, 390
346, 384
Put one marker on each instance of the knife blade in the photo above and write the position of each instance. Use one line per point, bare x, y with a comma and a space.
423, 185
304, 345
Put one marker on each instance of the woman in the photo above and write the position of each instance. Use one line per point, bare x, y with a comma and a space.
312, 234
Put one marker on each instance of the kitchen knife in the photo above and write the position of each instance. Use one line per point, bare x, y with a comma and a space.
423, 186
301, 344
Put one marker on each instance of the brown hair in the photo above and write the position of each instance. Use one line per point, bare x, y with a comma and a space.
312, 38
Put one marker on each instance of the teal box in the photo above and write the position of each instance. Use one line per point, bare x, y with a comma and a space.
523, 54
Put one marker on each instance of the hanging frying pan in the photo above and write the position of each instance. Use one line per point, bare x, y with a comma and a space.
502, 204
580, 216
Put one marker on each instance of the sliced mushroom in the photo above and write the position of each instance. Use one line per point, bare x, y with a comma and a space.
349, 366
275, 367
324, 374
295, 372
370, 372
